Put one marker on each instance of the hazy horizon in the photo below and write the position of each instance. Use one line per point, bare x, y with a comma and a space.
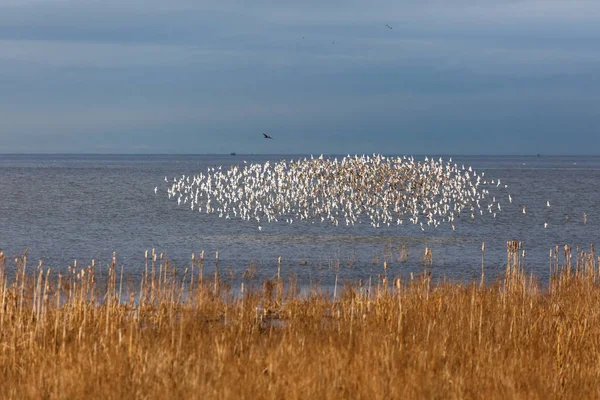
388, 154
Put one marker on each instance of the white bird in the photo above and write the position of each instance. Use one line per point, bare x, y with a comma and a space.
373, 189
155, 189
545, 224
547, 203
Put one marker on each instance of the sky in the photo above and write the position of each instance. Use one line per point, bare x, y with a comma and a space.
188, 76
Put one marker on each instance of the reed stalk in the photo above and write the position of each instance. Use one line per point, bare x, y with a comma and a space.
62, 335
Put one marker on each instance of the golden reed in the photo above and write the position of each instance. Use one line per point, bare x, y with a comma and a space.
88, 333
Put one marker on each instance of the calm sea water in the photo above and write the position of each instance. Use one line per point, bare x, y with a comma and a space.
83, 207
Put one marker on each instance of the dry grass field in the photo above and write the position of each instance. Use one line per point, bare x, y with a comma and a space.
184, 334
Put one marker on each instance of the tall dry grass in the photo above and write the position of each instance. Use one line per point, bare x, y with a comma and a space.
183, 334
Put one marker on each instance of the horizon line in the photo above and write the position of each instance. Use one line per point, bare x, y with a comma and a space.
301, 154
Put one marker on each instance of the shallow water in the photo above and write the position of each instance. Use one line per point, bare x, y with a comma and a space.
67, 207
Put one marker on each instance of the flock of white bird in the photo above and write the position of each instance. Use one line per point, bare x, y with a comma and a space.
375, 189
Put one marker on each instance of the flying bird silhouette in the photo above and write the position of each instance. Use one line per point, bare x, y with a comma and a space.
267, 136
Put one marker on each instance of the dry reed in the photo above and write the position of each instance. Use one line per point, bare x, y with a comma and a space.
181, 334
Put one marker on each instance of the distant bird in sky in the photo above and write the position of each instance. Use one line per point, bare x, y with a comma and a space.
155, 189
267, 136
547, 203
389, 27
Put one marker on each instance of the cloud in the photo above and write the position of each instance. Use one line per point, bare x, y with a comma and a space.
107, 55
132, 75
518, 35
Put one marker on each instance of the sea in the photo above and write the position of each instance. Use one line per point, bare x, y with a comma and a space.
63, 208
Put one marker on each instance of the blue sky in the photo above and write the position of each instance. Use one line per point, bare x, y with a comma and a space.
451, 77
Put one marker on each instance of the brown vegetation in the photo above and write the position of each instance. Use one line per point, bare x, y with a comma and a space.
186, 335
